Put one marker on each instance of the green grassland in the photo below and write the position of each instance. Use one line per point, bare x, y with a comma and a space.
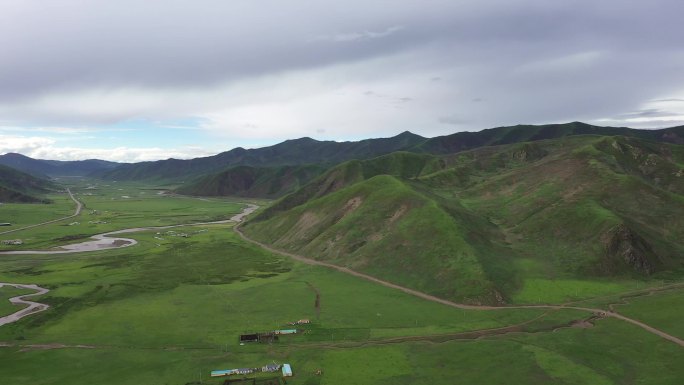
22, 214
115, 206
217, 287
170, 309
659, 309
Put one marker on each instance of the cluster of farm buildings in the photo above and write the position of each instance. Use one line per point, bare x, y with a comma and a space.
268, 337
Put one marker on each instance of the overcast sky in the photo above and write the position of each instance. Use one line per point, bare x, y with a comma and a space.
138, 80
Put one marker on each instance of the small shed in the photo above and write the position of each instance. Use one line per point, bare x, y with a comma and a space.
285, 331
287, 370
249, 338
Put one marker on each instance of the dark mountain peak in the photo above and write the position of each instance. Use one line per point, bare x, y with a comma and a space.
14, 155
304, 139
409, 135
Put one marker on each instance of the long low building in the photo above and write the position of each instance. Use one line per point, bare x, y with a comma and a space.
221, 373
285, 331
230, 372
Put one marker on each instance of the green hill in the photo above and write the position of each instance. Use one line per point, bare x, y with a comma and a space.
19, 187
475, 226
247, 181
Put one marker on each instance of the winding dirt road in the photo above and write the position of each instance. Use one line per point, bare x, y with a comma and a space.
32, 308
416, 293
79, 207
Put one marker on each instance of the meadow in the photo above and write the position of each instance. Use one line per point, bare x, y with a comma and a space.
170, 309
108, 207
23, 214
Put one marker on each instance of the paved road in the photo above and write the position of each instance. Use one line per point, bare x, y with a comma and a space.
601, 312
79, 207
33, 307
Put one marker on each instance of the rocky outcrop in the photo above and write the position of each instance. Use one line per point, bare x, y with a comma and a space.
626, 248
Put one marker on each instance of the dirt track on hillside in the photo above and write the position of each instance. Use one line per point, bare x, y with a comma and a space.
598, 312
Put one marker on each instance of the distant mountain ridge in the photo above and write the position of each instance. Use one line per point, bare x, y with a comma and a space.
288, 153
234, 180
54, 168
462, 141
308, 151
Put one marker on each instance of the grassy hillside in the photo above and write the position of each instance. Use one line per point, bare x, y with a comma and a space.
384, 227
493, 223
247, 181
18, 187
462, 141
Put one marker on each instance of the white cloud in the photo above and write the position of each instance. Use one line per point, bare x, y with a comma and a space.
51, 130
119, 154
657, 113
48, 148
23, 144
565, 63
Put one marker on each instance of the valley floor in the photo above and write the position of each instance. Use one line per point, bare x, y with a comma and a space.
170, 309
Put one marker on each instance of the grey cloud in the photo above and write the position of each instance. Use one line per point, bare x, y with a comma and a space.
670, 100
452, 120
356, 36
647, 113
537, 61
